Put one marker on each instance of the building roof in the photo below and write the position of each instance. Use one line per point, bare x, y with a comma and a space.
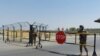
98, 20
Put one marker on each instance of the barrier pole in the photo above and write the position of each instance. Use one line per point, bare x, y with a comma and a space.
94, 52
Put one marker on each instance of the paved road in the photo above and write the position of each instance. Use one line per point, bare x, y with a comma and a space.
49, 49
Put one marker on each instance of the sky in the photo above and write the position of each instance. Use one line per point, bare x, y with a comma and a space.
54, 13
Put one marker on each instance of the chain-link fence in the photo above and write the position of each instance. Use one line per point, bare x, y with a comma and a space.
21, 31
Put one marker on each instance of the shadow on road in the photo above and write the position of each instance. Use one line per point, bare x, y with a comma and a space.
54, 52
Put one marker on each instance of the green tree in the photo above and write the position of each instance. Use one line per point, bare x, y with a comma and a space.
72, 29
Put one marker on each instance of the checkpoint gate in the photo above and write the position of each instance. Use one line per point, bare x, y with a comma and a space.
40, 45
94, 45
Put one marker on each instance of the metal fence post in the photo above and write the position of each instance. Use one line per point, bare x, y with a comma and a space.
3, 32
13, 33
7, 34
94, 52
21, 33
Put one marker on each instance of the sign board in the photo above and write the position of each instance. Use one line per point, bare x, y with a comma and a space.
60, 37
